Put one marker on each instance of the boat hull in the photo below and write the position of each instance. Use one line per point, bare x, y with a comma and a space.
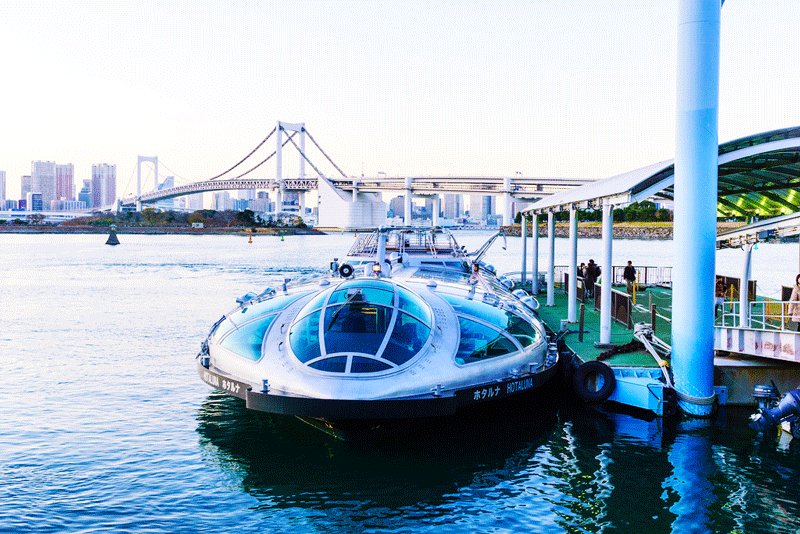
448, 403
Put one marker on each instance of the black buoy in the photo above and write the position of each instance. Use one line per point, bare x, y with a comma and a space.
112, 236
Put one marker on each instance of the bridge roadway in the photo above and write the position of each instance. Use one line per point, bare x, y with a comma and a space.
520, 188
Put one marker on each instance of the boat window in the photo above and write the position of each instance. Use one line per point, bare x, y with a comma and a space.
506, 320
336, 364
358, 319
367, 365
258, 309
246, 340
316, 302
355, 326
477, 308
366, 294
304, 338
411, 304
408, 338
522, 330
480, 342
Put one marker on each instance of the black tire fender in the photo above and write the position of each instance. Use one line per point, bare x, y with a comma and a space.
593, 372
346, 270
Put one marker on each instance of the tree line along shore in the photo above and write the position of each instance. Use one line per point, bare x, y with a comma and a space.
151, 221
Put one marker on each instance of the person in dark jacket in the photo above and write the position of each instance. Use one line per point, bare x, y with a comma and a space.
629, 275
590, 277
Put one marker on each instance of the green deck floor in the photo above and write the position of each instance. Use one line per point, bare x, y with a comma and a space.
585, 349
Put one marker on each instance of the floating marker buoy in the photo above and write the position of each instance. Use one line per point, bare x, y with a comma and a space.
112, 236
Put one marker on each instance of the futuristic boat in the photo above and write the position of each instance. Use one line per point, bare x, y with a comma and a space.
408, 325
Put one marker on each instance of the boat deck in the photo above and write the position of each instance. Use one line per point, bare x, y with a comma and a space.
620, 334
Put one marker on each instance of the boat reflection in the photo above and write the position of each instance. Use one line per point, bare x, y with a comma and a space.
284, 462
540, 466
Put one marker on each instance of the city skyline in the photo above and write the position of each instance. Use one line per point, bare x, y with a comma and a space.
578, 89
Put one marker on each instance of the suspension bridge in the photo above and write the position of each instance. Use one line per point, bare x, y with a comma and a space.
346, 201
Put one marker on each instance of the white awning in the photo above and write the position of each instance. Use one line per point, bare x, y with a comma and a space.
622, 189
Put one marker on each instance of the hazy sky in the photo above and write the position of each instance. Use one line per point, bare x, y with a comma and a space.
549, 88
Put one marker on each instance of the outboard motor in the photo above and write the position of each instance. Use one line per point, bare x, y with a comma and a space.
770, 414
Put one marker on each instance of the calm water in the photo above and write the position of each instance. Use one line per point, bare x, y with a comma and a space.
104, 423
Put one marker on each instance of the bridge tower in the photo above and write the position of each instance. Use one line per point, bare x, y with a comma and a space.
300, 128
139, 161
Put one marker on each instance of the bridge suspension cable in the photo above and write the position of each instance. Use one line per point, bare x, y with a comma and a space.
306, 157
263, 161
324, 154
247, 156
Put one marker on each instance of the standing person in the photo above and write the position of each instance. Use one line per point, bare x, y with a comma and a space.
719, 296
590, 277
794, 303
629, 275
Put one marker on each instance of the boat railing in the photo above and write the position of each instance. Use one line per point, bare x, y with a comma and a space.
647, 275
767, 314
428, 241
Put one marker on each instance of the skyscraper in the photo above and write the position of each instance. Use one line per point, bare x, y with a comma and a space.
85, 194
397, 206
65, 182
221, 201
168, 204
25, 187
104, 184
452, 206
195, 202
43, 180
2, 187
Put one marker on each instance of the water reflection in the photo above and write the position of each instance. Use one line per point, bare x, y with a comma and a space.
287, 463
541, 466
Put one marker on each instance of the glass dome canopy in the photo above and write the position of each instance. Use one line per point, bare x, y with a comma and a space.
361, 326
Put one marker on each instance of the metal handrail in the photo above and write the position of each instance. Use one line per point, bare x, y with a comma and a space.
768, 315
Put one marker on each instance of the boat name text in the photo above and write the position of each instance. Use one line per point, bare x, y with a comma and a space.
221, 383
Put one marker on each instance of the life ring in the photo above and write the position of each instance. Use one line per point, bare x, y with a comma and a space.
594, 381
346, 270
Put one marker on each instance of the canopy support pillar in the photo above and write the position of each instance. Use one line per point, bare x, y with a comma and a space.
551, 258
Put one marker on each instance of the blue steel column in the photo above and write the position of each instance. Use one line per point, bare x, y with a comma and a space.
607, 272
551, 258
696, 165
524, 232
535, 254
572, 291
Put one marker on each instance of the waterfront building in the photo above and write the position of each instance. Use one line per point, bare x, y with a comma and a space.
34, 202
67, 205
85, 194
453, 208
291, 201
2, 186
195, 202
396, 206
221, 201
25, 186
65, 181
169, 203
104, 185
43, 180
481, 207
261, 202
10, 204
240, 204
